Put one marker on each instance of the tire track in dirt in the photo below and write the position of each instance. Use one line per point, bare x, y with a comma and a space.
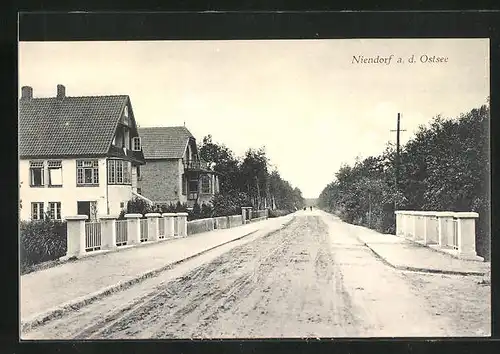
299, 295
193, 295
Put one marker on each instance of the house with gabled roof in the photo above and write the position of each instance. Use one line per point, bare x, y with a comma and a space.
174, 171
77, 155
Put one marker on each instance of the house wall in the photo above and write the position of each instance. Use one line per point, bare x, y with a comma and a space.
118, 194
161, 181
69, 194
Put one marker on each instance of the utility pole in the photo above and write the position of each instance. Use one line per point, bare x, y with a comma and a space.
397, 160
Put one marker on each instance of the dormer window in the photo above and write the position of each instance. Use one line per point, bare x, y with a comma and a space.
136, 143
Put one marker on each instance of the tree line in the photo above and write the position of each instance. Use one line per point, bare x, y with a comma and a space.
249, 180
444, 167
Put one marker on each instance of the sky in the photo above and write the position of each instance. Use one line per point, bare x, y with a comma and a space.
309, 102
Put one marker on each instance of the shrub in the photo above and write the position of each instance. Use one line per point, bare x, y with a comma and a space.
277, 213
195, 213
122, 214
181, 207
138, 206
227, 205
170, 208
206, 211
41, 241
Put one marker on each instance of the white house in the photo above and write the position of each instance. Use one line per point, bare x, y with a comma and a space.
77, 155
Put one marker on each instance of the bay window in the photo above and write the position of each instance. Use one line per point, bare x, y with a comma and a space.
205, 184
119, 172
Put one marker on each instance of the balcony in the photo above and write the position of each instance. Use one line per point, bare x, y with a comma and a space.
194, 166
135, 156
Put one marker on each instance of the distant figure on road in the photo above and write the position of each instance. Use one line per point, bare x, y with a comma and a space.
305, 208
311, 207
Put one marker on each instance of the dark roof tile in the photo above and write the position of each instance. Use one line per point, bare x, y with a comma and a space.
164, 142
71, 126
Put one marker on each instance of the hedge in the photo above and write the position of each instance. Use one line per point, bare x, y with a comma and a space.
41, 241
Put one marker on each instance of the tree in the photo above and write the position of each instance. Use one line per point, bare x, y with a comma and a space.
445, 166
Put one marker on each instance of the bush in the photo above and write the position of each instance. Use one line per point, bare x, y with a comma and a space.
195, 213
227, 205
277, 213
138, 206
41, 241
206, 211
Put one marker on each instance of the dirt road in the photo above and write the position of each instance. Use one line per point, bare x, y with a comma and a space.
310, 279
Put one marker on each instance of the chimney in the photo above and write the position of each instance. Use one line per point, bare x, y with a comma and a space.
26, 92
61, 91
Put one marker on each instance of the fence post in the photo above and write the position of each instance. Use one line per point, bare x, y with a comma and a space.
153, 227
108, 231
244, 214
399, 224
169, 219
427, 227
182, 223
466, 223
75, 235
133, 228
407, 224
445, 228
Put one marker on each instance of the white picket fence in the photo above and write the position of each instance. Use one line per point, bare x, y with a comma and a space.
93, 239
121, 232
176, 227
161, 229
144, 230
108, 233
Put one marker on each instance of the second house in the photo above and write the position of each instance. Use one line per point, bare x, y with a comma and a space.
174, 171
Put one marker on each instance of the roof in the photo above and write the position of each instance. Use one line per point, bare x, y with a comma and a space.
72, 126
164, 142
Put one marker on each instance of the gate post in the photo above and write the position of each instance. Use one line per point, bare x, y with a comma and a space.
133, 228
169, 219
445, 228
108, 232
153, 227
182, 222
75, 235
466, 224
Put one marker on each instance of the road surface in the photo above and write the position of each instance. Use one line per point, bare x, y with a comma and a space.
313, 278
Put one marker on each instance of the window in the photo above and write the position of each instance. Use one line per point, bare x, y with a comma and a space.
55, 210
119, 172
37, 211
139, 191
136, 143
55, 173
193, 186
87, 172
205, 184
36, 173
